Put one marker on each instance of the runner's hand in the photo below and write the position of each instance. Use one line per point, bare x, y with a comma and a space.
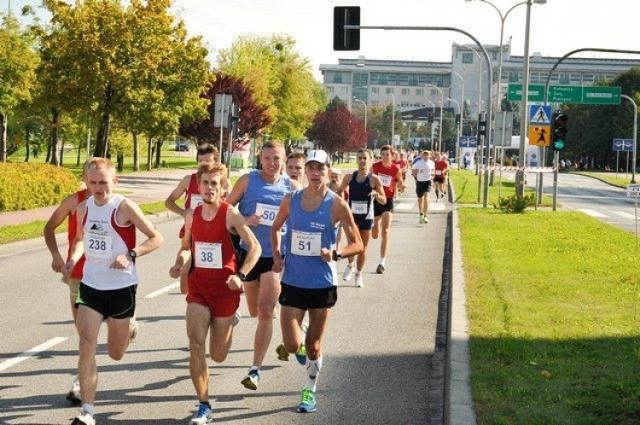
234, 283
252, 220
58, 264
120, 263
326, 255
278, 264
68, 268
174, 271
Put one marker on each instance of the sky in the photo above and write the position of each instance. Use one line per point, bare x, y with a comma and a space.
557, 27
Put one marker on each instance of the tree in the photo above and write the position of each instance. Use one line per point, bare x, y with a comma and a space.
337, 129
18, 61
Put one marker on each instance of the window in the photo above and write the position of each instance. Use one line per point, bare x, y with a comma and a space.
564, 78
576, 79
513, 77
403, 79
467, 57
392, 79
330, 89
419, 92
434, 92
588, 78
388, 90
374, 90
405, 91
344, 89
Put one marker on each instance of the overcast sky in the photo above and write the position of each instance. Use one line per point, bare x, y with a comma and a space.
557, 27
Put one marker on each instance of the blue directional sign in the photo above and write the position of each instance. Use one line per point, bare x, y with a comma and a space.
468, 142
622, 145
540, 114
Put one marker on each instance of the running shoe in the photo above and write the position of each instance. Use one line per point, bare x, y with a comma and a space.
348, 273
236, 319
421, 218
84, 418
133, 330
307, 402
74, 393
282, 353
301, 354
251, 380
203, 415
380, 269
425, 219
359, 282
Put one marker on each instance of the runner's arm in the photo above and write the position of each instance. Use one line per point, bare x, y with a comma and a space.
236, 222
66, 208
341, 213
77, 246
184, 253
180, 190
238, 190
344, 184
378, 190
131, 213
276, 235
400, 182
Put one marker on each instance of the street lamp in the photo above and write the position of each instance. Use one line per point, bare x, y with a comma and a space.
393, 117
441, 105
365, 115
461, 99
459, 131
433, 114
479, 73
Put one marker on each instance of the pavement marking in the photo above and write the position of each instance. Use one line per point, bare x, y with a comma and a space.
592, 213
625, 215
31, 352
403, 206
164, 290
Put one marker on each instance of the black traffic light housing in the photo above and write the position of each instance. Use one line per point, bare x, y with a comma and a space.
458, 119
346, 39
559, 133
430, 117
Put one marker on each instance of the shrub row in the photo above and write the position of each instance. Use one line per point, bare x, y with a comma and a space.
25, 186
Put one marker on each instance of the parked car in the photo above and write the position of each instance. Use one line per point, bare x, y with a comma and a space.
182, 146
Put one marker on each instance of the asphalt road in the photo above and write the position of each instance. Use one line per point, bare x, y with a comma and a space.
378, 348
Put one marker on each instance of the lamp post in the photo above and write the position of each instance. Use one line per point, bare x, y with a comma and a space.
365, 117
459, 132
433, 114
393, 117
479, 75
441, 105
461, 104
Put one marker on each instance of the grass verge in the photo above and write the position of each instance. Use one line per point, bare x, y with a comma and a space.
621, 181
554, 323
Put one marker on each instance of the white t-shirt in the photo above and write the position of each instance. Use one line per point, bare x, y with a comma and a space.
425, 169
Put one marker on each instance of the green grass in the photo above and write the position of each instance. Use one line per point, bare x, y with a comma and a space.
466, 185
555, 292
608, 177
21, 232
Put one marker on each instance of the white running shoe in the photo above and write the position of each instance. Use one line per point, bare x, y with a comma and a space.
359, 282
74, 393
83, 418
348, 273
133, 330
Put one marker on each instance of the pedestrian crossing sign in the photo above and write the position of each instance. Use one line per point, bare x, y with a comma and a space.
540, 115
540, 135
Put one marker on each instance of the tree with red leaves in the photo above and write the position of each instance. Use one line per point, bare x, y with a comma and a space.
252, 116
338, 130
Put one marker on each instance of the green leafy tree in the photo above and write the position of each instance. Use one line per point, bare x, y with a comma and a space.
18, 61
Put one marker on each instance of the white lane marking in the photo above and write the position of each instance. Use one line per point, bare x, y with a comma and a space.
31, 352
592, 213
437, 206
625, 215
161, 291
403, 206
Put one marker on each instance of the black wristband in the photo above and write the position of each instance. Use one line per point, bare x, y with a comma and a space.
335, 255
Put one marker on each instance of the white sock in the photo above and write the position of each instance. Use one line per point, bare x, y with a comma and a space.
313, 372
86, 407
382, 259
254, 368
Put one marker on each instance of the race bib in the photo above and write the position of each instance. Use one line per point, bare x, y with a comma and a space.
196, 200
208, 255
98, 244
307, 244
359, 207
267, 213
385, 179
438, 172
424, 172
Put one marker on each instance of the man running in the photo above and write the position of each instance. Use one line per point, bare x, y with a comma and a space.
295, 166
423, 171
258, 195
310, 277
106, 234
391, 178
441, 168
364, 188
215, 281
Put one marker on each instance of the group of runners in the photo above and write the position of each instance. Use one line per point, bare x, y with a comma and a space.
275, 236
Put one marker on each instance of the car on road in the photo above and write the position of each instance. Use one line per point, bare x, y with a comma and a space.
182, 146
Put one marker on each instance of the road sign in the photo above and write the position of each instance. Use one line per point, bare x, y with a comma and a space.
565, 94
540, 135
633, 190
622, 145
468, 142
540, 114
536, 92
601, 95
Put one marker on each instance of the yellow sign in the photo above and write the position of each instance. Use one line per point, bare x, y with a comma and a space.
540, 135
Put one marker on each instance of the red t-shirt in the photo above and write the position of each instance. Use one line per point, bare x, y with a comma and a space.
72, 229
441, 167
192, 197
388, 176
212, 252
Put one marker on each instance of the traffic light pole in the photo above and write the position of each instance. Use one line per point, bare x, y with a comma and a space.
635, 136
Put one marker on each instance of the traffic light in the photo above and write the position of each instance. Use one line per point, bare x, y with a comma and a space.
482, 124
346, 39
457, 119
559, 133
430, 117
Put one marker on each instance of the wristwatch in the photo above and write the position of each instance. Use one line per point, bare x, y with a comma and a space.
335, 255
132, 254
241, 276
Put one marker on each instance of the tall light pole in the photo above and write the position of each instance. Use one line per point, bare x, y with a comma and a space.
433, 113
365, 117
441, 105
479, 74
459, 132
461, 100
393, 117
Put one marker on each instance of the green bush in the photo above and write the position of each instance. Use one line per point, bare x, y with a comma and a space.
514, 204
25, 186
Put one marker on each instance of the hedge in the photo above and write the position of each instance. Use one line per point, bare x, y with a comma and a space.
25, 186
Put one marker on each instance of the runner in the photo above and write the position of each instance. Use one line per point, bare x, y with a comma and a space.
258, 195
310, 277
363, 188
106, 234
423, 171
400, 160
335, 178
441, 167
295, 166
391, 178
67, 210
215, 282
